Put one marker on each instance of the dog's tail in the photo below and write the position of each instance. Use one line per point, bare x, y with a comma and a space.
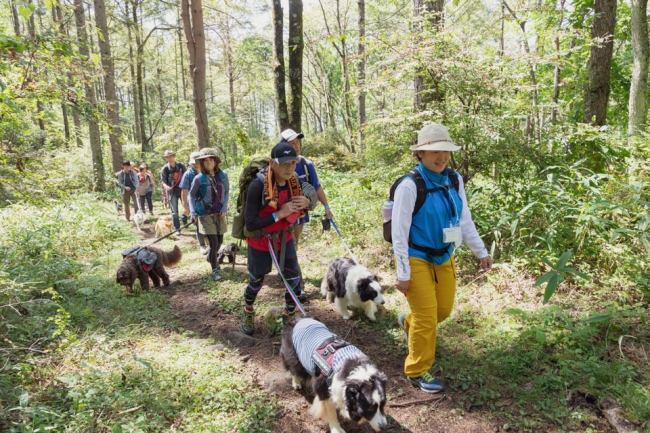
171, 258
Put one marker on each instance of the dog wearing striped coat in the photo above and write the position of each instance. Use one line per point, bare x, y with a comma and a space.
339, 374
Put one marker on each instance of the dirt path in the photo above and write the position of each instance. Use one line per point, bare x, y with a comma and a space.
409, 410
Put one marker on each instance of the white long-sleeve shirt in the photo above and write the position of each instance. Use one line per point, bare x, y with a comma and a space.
403, 206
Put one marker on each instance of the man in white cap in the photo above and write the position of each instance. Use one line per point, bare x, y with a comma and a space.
170, 179
186, 183
306, 173
426, 228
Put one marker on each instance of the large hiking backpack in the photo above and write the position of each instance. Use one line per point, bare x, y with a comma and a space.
248, 174
422, 192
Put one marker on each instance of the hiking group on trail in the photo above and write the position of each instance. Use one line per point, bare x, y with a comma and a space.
426, 217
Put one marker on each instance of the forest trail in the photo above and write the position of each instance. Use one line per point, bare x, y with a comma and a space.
408, 410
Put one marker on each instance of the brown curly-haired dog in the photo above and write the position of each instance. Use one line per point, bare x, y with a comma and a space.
129, 269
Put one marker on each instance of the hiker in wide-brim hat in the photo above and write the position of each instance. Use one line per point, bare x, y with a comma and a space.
170, 179
424, 241
186, 183
208, 201
207, 152
127, 179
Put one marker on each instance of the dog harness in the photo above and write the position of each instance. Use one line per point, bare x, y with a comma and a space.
320, 351
146, 258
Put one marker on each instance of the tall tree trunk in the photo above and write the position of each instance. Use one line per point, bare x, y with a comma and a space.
180, 50
638, 105
361, 72
531, 121
139, 59
93, 126
161, 99
342, 52
296, 45
426, 84
41, 122
57, 18
281, 110
112, 104
192, 15
600, 63
558, 66
66, 122
15, 19
31, 26
135, 102
503, 26
230, 70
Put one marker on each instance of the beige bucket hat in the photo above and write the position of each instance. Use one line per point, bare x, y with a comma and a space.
207, 152
434, 136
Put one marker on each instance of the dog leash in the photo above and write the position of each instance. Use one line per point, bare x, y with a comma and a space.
160, 239
356, 262
286, 283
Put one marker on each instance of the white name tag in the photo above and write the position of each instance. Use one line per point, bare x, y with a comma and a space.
452, 234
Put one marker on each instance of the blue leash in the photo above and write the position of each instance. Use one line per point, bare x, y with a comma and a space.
286, 283
356, 262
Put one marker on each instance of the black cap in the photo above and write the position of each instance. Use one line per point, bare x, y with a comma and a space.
284, 152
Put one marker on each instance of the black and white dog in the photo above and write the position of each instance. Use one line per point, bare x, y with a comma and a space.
340, 375
227, 251
347, 283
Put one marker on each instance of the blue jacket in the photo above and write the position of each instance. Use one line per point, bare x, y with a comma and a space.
134, 178
188, 177
435, 214
202, 189
313, 180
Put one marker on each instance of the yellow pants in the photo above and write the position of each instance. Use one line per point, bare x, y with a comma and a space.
430, 303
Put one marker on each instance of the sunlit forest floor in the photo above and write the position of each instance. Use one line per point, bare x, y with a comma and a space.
173, 359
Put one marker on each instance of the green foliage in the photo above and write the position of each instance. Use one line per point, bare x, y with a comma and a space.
44, 252
554, 277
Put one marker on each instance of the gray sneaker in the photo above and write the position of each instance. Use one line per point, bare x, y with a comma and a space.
205, 249
216, 275
247, 322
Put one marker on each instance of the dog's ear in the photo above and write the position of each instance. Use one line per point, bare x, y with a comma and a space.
352, 390
382, 378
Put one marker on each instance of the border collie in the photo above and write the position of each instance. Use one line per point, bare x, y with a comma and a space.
349, 284
354, 385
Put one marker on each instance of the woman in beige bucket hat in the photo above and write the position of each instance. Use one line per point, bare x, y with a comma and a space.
424, 243
208, 199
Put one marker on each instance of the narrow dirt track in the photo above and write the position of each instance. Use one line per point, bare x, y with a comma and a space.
409, 410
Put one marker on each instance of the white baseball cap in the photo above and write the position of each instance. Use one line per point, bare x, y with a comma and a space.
434, 136
289, 134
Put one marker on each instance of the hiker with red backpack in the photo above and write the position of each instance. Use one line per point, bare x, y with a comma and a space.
274, 202
430, 218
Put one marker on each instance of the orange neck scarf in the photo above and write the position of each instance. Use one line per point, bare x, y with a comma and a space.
271, 196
